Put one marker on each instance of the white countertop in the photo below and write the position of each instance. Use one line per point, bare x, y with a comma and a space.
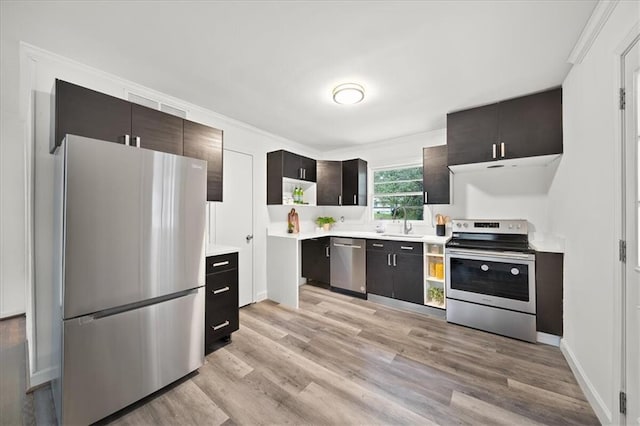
547, 243
220, 249
360, 234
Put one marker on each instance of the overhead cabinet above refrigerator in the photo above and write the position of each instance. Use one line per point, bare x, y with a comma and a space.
85, 112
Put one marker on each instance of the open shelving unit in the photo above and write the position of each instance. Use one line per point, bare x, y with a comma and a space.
434, 272
309, 189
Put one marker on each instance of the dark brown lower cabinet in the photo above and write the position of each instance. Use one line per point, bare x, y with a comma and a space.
379, 273
316, 259
549, 270
221, 303
408, 276
395, 269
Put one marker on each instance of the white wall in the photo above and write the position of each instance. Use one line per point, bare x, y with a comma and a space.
12, 202
45, 67
582, 203
503, 193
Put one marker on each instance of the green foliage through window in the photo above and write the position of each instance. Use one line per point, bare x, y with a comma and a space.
400, 187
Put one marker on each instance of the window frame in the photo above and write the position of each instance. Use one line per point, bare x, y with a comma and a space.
374, 170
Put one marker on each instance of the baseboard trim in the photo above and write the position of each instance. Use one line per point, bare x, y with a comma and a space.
40, 378
597, 403
261, 296
548, 339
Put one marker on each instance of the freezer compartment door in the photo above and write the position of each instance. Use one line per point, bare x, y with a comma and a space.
113, 361
134, 224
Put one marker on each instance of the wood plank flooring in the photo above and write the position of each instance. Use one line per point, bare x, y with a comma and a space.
343, 360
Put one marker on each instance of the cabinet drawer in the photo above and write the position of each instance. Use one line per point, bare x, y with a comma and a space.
222, 262
380, 245
222, 290
408, 247
220, 323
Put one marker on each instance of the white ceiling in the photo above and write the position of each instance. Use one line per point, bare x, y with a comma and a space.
273, 64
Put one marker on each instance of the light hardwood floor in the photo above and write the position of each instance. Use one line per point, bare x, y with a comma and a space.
342, 360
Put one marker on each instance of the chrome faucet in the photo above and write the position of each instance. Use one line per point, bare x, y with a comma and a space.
407, 227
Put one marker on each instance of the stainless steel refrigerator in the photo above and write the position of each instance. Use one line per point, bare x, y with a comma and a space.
129, 271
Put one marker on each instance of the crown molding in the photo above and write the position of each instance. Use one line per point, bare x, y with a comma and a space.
592, 28
35, 52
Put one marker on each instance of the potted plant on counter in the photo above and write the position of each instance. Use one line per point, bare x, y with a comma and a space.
325, 222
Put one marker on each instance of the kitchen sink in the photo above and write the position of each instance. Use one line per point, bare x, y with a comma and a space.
399, 235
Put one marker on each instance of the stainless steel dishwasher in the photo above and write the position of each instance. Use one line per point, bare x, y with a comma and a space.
348, 266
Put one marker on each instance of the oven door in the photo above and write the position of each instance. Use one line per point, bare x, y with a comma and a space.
501, 279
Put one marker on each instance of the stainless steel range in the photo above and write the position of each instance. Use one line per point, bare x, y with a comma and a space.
490, 279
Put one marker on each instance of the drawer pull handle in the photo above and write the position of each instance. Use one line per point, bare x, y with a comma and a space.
215, 265
406, 248
219, 326
378, 245
220, 290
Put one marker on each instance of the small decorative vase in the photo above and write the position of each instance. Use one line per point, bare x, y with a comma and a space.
326, 226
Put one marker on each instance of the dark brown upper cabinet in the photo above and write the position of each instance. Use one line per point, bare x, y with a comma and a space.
338, 182
296, 166
531, 125
329, 188
92, 114
436, 175
156, 130
285, 164
354, 182
84, 112
472, 135
205, 143
527, 126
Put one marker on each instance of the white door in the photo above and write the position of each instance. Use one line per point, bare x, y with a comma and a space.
631, 120
234, 217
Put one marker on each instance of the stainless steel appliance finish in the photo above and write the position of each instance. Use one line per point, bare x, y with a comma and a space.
490, 279
115, 360
130, 267
348, 265
500, 279
495, 320
131, 216
484, 226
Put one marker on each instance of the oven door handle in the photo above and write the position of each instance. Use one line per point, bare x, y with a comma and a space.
487, 253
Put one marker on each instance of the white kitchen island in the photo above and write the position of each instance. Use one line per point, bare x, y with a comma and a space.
284, 259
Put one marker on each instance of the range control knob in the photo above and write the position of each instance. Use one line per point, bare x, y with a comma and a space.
519, 226
510, 226
458, 224
466, 225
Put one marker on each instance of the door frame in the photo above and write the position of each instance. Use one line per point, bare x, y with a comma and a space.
620, 282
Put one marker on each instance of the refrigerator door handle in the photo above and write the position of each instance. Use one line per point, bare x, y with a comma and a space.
136, 305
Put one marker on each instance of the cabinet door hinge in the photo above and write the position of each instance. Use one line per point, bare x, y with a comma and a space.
623, 402
622, 250
623, 96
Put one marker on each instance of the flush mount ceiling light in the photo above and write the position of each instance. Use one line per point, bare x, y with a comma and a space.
348, 94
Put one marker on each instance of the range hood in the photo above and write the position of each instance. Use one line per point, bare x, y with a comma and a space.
539, 161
